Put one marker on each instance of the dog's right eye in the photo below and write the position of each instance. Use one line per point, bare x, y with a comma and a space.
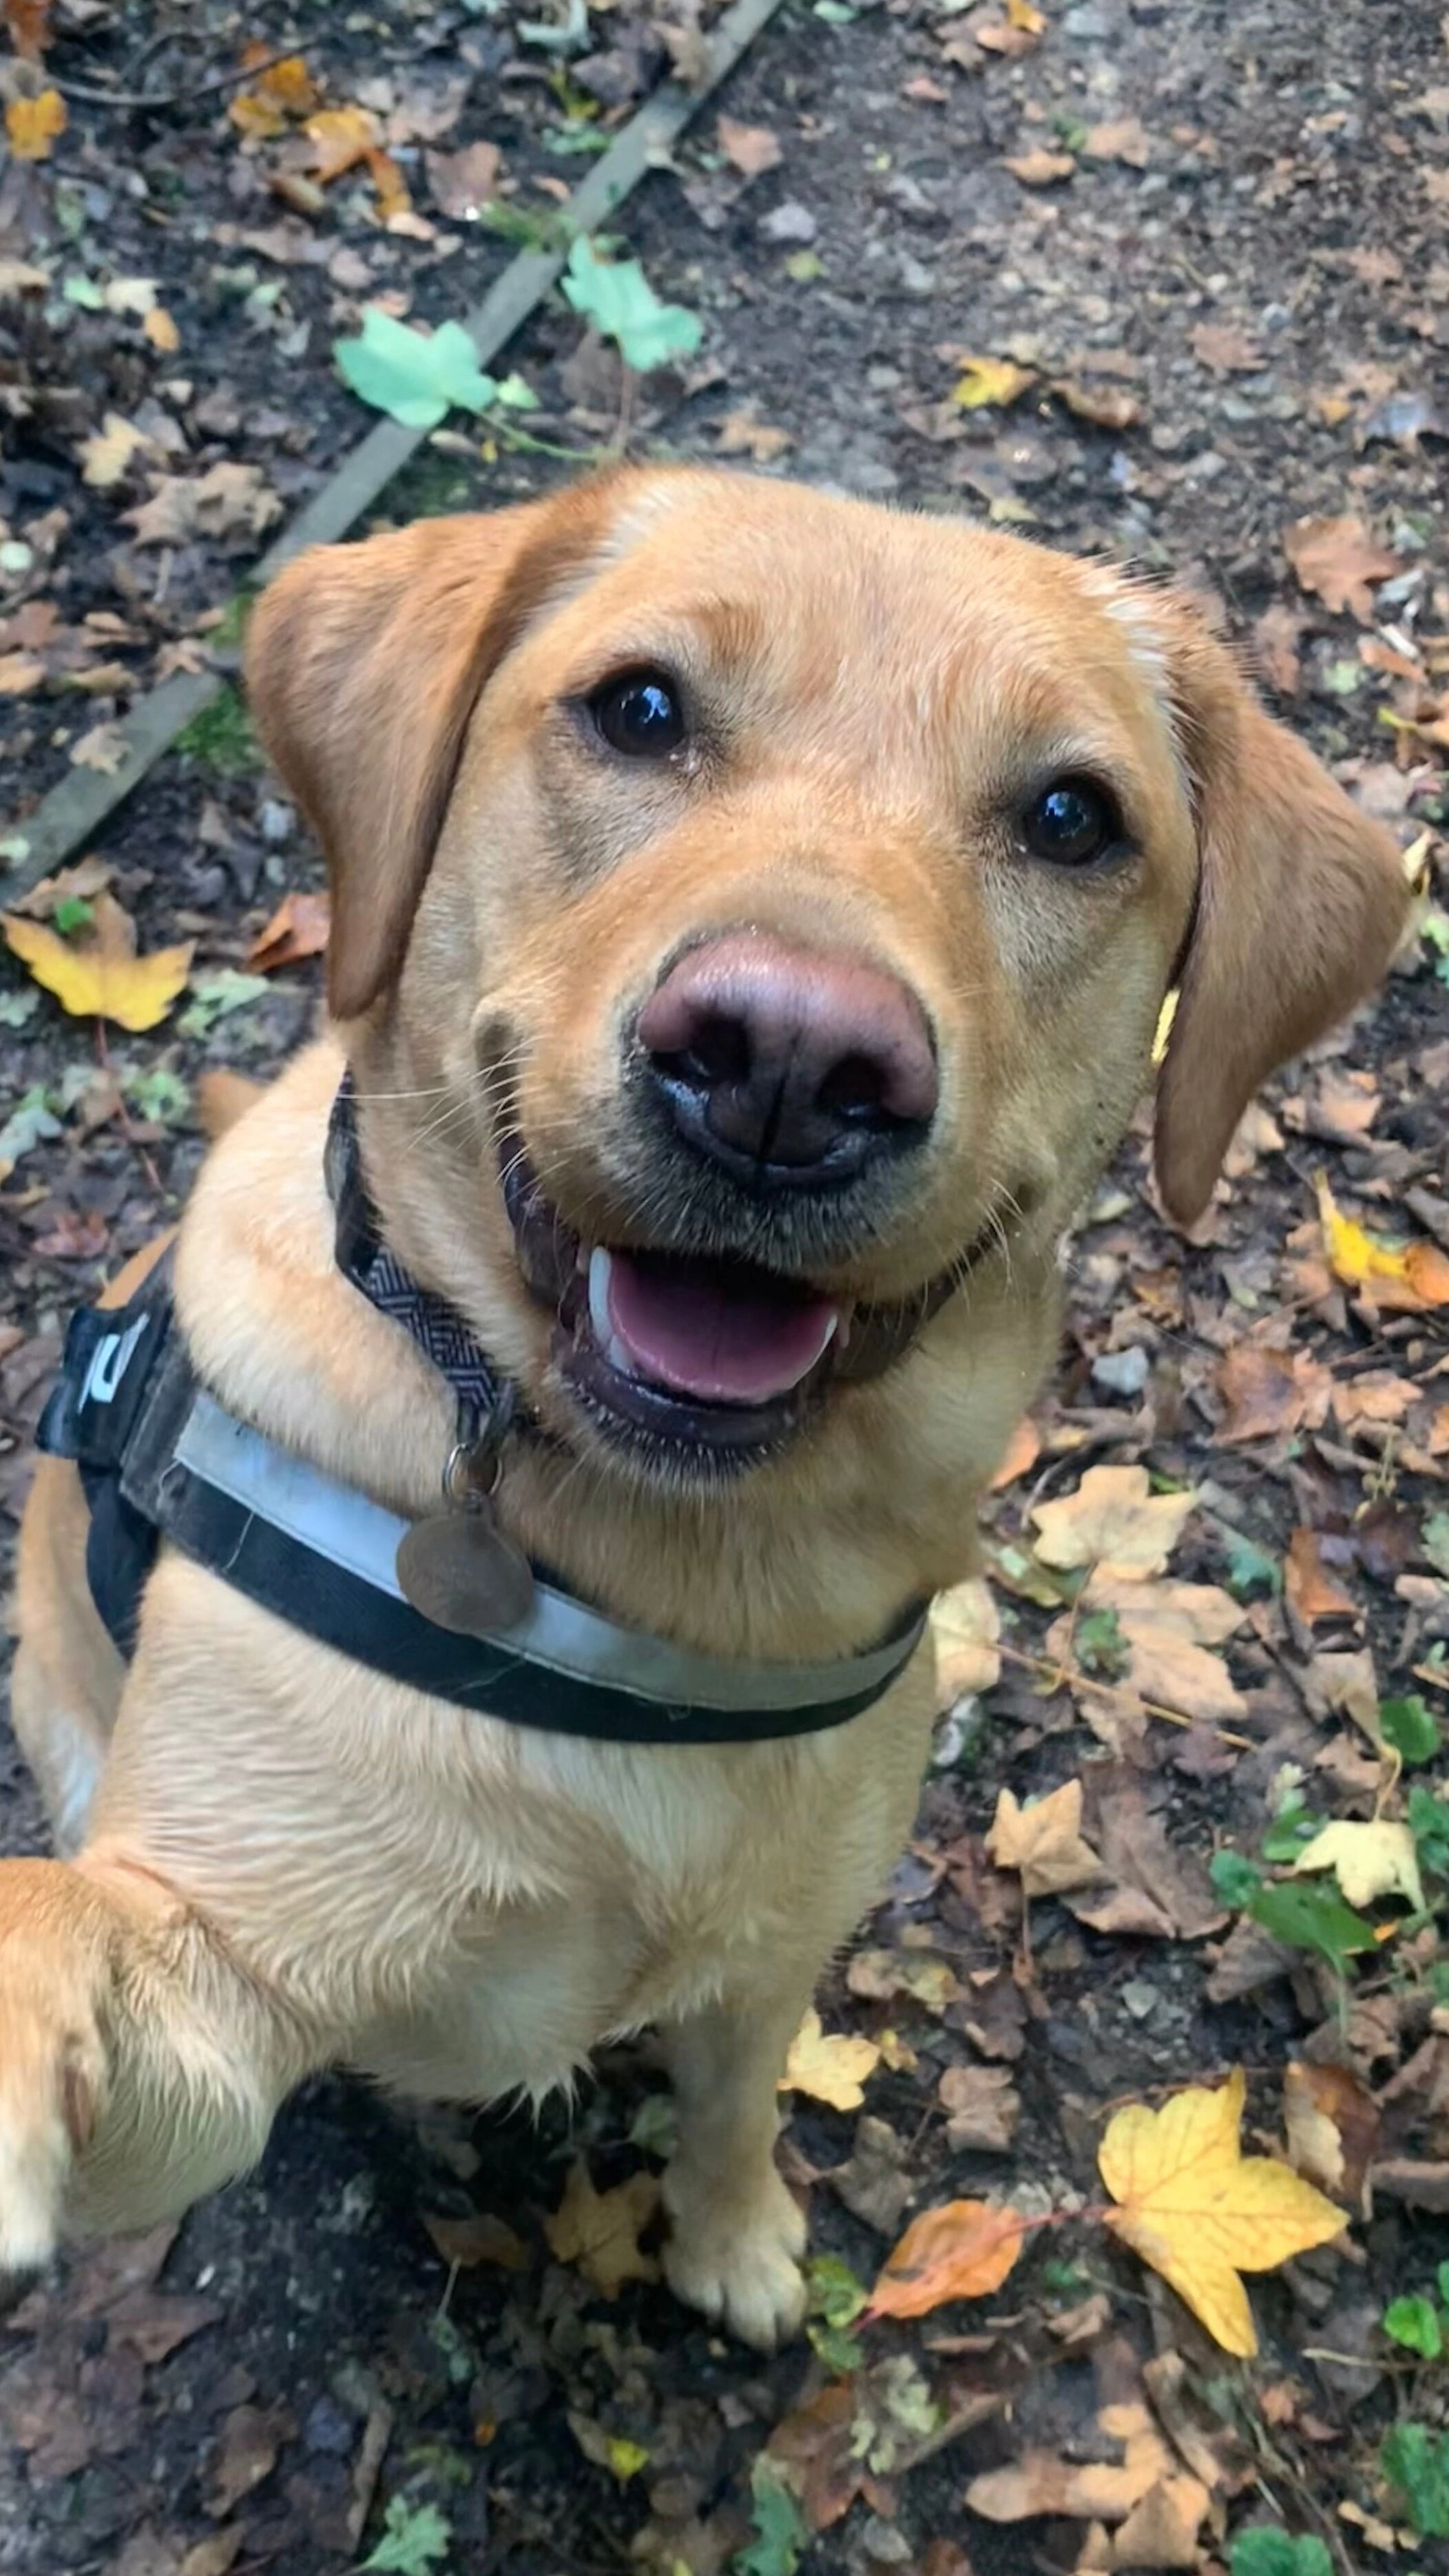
639, 715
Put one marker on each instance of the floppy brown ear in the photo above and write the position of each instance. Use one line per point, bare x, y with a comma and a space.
1301, 902
364, 664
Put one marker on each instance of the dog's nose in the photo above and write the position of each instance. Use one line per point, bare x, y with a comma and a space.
786, 1060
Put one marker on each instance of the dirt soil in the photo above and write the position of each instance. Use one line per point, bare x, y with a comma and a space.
1218, 275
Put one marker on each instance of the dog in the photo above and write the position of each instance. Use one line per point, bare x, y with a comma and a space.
752, 911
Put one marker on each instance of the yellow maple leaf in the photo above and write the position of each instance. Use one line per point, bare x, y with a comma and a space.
964, 1627
961, 2251
1113, 1519
1044, 1842
600, 2230
828, 2066
32, 124
1378, 1859
1201, 2212
104, 978
1021, 14
1408, 1277
105, 456
990, 380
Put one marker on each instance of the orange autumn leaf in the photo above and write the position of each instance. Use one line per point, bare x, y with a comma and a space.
393, 195
287, 85
1201, 2212
297, 929
343, 136
1309, 1585
32, 124
1022, 1452
27, 23
961, 2251
1406, 1278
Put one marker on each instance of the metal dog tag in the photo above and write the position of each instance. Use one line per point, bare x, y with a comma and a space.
460, 1571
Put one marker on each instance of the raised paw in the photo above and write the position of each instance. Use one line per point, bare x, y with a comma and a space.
52, 2056
738, 2263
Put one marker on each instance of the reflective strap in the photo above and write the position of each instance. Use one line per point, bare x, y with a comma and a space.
559, 1634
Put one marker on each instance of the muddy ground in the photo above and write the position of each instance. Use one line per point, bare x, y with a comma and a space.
1227, 302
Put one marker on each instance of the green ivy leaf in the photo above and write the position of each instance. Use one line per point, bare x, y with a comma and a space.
1249, 1565
616, 296
1415, 2324
414, 2541
1290, 1829
1410, 1726
834, 2292
1429, 1825
1416, 2463
414, 376
216, 996
1234, 1878
1278, 2553
1101, 1647
1434, 1540
73, 913
1310, 1916
31, 1119
780, 2527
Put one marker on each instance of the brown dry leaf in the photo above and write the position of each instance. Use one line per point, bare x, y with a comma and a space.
1309, 1586
1332, 2126
1022, 1452
80, 884
27, 23
158, 327
105, 457
19, 674
1091, 2491
394, 198
964, 1627
984, 2108
1137, 1853
874, 2184
1271, 1392
22, 277
1337, 560
341, 137
1127, 140
251, 2437
830, 2066
103, 976
481, 2238
463, 183
962, 2251
740, 434
1162, 2531
1377, 1396
752, 149
297, 929
32, 124
1115, 1520
228, 500
255, 120
216, 2555
600, 2231
1039, 168
1201, 2212
1043, 1842
102, 748
1105, 406
1169, 1629
1226, 349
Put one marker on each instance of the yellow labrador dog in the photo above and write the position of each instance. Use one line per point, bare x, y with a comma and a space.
752, 911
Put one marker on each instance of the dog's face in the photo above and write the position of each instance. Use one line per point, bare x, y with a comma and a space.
771, 900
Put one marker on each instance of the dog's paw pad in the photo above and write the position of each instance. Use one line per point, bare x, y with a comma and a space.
742, 2273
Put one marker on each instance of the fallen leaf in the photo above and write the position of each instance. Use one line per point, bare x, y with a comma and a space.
961, 2251
1127, 140
1405, 1278
463, 183
159, 328
287, 84
964, 1626
1022, 1452
28, 26
481, 2238
990, 380
1105, 406
22, 277
1043, 1843
874, 2183
1168, 1629
1042, 2482
983, 2108
829, 2066
32, 124
297, 929
1331, 2122
1276, 637
104, 976
251, 2437
1308, 1585
1114, 1520
1161, 2532
1227, 350
600, 2231
1337, 560
102, 748
341, 137
228, 500
1201, 2212
752, 149
740, 434
105, 457
1271, 1392
1040, 168
1371, 1860
255, 118
19, 674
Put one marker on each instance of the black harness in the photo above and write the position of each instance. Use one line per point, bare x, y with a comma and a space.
160, 1458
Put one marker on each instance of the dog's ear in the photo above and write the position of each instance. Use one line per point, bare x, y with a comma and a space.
364, 665
1301, 900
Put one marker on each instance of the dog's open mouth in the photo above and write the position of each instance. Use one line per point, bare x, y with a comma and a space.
690, 1356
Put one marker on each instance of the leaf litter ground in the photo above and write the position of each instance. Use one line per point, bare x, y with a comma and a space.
1105, 273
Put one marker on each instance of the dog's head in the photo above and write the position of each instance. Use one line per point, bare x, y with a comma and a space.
759, 907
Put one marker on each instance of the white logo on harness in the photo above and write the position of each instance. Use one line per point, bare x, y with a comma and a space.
109, 1362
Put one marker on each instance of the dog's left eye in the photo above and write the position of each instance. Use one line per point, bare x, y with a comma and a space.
1071, 823
639, 715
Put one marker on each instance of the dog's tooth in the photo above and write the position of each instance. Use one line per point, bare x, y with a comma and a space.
601, 1263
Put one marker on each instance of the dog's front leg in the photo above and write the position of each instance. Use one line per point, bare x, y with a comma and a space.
737, 2235
139, 2066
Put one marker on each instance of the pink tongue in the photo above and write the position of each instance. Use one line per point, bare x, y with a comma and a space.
701, 1334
